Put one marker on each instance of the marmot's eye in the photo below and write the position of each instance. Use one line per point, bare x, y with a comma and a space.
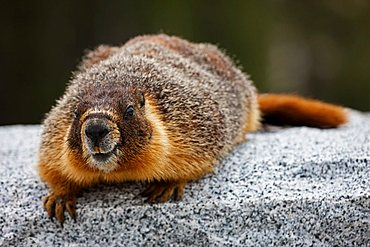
129, 111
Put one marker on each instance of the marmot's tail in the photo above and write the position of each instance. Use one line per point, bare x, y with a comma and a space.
283, 109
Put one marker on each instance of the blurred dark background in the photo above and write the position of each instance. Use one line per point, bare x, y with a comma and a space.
315, 48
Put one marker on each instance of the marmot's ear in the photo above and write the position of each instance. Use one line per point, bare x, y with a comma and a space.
100, 53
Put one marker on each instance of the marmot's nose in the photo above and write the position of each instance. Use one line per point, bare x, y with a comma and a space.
96, 131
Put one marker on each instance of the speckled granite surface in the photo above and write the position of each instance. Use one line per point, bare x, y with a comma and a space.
288, 187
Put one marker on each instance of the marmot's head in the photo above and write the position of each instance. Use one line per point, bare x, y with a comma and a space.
109, 127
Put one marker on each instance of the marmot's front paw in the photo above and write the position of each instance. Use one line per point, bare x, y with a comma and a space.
163, 191
55, 205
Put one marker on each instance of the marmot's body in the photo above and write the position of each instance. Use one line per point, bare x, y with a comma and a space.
158, 109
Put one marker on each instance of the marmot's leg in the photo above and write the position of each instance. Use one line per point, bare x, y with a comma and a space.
163, 191
62, 195
56, 204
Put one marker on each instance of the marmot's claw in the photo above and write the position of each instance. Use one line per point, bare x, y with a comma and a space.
71, 208
56, 205
163, 191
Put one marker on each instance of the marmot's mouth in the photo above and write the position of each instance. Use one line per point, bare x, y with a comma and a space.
102, 158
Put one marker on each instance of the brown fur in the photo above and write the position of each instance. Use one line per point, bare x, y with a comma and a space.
283, 109
191, 107
100, 53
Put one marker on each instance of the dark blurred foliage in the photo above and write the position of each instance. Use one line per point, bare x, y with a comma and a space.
315, 48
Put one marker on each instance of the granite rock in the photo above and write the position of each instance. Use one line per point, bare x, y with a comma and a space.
283, 187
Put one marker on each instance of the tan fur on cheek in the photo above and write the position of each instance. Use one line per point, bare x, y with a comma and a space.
165, 157
151, 162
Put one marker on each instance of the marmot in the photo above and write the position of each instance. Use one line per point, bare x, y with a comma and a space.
158, 109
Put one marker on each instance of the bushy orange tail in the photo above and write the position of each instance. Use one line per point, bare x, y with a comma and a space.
283, 109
